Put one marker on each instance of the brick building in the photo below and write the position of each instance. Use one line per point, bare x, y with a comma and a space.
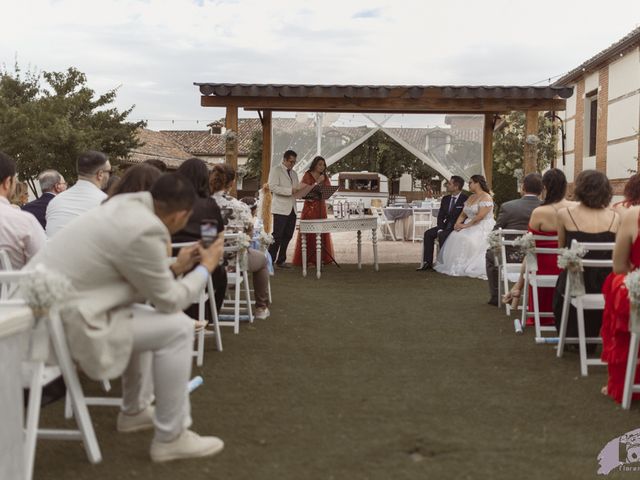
602, 119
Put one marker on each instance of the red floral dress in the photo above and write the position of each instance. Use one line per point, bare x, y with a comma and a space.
313, 210
615, 327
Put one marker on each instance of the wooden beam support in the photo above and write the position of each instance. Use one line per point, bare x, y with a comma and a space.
487, 147
231, 146
530, 161
384, 105
266, 146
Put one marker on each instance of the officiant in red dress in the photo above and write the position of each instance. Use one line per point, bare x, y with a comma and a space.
313, 210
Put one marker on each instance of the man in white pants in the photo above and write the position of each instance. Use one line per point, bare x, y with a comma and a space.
116, 256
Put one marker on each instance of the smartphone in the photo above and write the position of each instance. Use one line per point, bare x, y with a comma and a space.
208, 231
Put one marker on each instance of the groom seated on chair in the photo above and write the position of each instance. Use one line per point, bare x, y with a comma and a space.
450, 208
115, 256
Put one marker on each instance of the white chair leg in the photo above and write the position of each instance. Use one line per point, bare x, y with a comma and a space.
563, 323
582, 341
236, 307
68, 410
536, 310
630, 374
200, 333
269, 289
33, 418
214, 314
72, 382
247, 293
526, 300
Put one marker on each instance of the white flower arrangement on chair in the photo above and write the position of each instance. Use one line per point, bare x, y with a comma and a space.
527, 246
265, 240
494, 241
244, 242
570, 259
632, 282
41, 291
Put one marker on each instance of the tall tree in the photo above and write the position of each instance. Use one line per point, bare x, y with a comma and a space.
48, 119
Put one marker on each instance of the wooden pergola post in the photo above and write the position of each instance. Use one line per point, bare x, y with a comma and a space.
530, 161
266, 145
231, 146
487, 148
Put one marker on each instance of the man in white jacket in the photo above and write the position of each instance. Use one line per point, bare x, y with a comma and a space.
116, 258
285, 187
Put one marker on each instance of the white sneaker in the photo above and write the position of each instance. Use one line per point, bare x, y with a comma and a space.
188, 445
262, 313
136, 423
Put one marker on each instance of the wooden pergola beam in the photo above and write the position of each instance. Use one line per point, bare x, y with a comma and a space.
266, 145
231, 146
487, 147
384, 105
530, 161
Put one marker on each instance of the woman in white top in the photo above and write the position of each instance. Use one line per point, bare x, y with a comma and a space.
463, 255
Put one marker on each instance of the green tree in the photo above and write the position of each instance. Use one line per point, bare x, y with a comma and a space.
253, 167
508, 144
48, 119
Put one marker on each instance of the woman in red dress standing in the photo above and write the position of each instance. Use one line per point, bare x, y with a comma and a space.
615, 318
313, 210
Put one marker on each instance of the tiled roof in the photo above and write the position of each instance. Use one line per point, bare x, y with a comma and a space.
631, 40
157, 145
383, 91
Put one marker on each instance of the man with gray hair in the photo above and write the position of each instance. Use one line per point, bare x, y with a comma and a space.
51, 184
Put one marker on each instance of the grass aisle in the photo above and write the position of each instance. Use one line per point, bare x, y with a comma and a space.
394, 375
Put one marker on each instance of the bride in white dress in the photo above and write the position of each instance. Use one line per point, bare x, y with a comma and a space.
463, 254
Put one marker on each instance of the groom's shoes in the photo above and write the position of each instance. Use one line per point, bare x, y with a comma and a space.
424, 267
493, 302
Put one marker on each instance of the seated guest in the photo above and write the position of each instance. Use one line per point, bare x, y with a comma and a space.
450, 209
20, 195
513, 215
115, 256
544, 222
589, 221
631, 195
93, 174
221, 181
51, 184
156, 162
138, 178
615, 318
21, 236
204, 208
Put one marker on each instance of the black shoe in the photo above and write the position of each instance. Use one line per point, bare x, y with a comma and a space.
424, 267
283, 265
493, 302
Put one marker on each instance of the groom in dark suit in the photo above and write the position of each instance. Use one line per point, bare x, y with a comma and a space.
514, 215
450, 208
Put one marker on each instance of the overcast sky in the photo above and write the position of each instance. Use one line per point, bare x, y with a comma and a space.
154, 50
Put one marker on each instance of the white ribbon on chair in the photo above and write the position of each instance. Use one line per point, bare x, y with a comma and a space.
527, 246
41, 291
632, 282
571, 260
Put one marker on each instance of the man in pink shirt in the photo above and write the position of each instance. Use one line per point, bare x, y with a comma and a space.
21, 236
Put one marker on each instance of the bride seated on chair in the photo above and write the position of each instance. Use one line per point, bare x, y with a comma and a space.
463, 255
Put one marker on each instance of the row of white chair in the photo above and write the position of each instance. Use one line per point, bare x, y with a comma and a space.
582, 303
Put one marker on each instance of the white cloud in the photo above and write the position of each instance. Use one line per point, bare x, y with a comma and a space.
156, 49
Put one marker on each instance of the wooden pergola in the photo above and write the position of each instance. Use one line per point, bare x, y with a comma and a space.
489, 101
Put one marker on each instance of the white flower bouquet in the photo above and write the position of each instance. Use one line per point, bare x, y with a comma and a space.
241, 218
265, 240
527, 246
570, 259
41, 291
632, 282
494, 241
244, 242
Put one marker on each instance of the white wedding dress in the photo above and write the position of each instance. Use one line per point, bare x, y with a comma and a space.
463, 253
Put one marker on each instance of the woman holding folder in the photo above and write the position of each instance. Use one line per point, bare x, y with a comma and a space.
313, 210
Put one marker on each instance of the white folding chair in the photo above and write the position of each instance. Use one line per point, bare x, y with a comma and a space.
384, 223
207, 294
629, 377
421, 219
507, 272
589, 301
36, 375
534, 280
237, 279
